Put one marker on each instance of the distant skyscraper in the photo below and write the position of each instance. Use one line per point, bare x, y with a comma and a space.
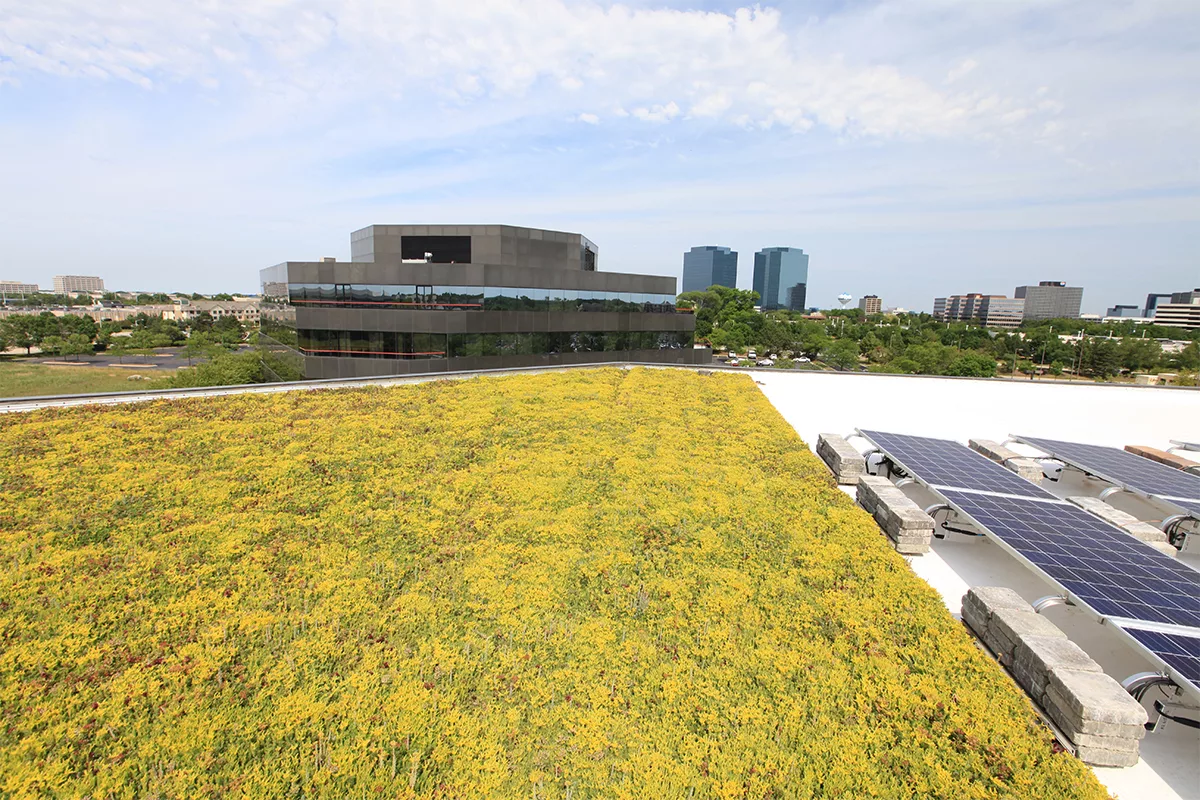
709, 266
1050, 300
870, 304
781, 278
1123, 311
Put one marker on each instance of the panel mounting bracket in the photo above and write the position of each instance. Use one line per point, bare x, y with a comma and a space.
1051, 600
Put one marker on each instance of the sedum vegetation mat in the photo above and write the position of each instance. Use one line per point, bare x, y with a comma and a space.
597, 583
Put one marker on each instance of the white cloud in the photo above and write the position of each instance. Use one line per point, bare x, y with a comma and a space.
657, 112
332, 51
962, 70
590, 119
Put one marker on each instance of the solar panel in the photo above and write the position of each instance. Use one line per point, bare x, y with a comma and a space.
942, 462
1104, 567
1180, 652
1122, 468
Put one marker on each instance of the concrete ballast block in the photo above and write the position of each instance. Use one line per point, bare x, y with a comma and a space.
980, 602
1006, 628
1091, 697
1027, 468
1161, 456
909, 529
1142, 531
1036, 657
846, 463
1104, 757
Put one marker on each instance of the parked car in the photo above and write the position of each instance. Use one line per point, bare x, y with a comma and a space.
766, 362
803, 359
733, 362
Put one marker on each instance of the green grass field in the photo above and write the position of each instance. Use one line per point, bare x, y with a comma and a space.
29, 380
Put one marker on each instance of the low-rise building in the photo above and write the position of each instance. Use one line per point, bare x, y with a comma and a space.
433, 298
17, 289
244, 311
1123, 311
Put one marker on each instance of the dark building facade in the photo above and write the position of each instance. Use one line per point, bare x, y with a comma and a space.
433, 298
709, 266
781, 278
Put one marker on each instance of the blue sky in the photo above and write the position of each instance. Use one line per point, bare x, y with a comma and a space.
912, 148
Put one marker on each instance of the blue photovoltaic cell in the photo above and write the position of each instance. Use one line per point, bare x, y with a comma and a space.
1182, 653
942, 462
1122, 468
1114, 573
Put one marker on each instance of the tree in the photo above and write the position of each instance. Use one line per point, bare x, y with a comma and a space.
905, 366
198, 344
73, 323
842, 354
45, 325
225, 369
973, 365
201, 322
1188, 358
19, 331
933, 357
1138, 354
74, 344
811, 339
1100, 358
229, 330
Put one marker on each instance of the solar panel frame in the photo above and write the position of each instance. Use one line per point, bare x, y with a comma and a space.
1100, 567
1177, 652
1133, 473
1186, 445
944, 462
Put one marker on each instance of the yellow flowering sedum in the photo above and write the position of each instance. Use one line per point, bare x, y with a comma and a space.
590, 583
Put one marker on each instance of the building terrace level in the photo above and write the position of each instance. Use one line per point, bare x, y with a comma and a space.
436, 298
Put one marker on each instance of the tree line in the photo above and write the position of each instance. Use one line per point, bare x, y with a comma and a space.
917, 344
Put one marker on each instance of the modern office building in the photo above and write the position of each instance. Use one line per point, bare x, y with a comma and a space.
1182, 312
1152, 301
870, 304
432, 298
17, 289
1051, 300
709, 266
781, 278
77, 284
992, 310
1123, 311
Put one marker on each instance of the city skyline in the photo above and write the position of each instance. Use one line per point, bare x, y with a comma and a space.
900, 145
